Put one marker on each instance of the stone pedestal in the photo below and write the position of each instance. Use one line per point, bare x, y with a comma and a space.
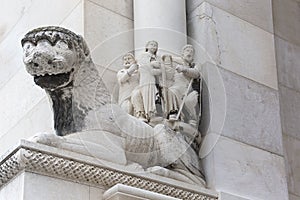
124, 192
35, 171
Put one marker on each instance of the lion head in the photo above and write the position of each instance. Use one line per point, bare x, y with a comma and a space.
52, 55
60, 62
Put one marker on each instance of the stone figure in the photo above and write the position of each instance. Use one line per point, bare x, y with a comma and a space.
86, 122
128, 79
149, 69
185, 87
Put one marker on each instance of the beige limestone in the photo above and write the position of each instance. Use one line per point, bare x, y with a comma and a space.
287, 58
256, 12
287, 19
124, 192
232, 164
246, 49
121, 7
292, 149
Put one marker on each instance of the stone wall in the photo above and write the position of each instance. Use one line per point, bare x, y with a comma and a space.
24, 107
287, 42
247, 160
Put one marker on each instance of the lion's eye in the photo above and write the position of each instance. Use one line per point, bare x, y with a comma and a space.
27, 46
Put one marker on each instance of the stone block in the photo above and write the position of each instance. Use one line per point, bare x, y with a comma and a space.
287, 20
18, 97
35, 14
239, 108
289, 111
256, 12
103, 36
75, 21
121, 7
226, 196
38, 187
38, 119
292, 149
11, 12
13, 190
293, 197
124, 192
106, 25
234, 44
246, 171
287, 58
96, 193
252, 113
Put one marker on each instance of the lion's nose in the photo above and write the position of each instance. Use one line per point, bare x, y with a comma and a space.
42, 59
35, 64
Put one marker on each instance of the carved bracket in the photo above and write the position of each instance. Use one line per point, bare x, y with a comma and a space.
41, 159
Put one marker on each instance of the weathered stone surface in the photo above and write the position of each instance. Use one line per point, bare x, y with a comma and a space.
96, 193
287, 58
163, 21
292, 149
103, 36
108, 25
38, 119
293, 197
75, 20
16, 87
226, 196
38, 187
85, 170
11, 12
257, 12
14, 190
252, 113
20, 95
124, 192
234, 167
121, 7
289, 111
235, 44
287, 20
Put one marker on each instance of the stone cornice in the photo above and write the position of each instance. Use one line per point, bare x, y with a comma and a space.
42, 159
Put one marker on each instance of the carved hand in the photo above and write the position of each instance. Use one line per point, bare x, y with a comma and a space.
155, 64
132, 68
181, 68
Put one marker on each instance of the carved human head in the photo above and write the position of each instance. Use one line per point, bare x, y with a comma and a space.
152, 47
128, 60
52, 55
188, 52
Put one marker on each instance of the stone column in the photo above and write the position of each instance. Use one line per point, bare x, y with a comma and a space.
160, 20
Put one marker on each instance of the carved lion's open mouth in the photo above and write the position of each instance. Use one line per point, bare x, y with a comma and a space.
53, 81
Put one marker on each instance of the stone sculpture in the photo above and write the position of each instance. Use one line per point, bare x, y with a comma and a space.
128, 79
149, 69
186, 88
60, 63
86, 122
